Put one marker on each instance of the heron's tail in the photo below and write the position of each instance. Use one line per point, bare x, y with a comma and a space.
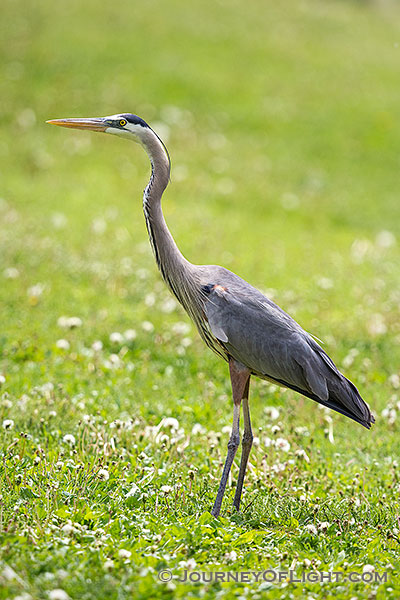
340, 393
345, 398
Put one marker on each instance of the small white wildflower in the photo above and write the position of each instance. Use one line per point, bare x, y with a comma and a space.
97, 345
376, 325
58, 220
52, 414
231, 556
394, 381
275, 429
99, 225
68, 528
385, 239
132, 491
116, 338
2, 379
324, 525
169, 305
58, 594
130, 335
108, 565
69, 439
181, 328
368, 568
325, 283
8, 424
147, 326
62, 344
198, 429
311, 529
268, 442
35, 291
36, 460
272, 412
69, 322
282, 444
103, 474
300, 453
170, 422
307, 562
11, 273
124, 553
166, 489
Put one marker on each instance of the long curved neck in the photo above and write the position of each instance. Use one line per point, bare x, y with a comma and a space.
174, 268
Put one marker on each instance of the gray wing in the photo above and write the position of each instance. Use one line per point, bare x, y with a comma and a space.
260, 335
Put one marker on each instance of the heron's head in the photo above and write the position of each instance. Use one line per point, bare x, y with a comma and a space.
124, 124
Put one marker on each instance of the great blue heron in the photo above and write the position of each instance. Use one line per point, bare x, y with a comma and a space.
235, 320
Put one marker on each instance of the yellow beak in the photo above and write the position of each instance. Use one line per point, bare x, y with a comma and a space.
95, 124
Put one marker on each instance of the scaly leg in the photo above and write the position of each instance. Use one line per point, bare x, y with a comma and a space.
240, 376
247, 442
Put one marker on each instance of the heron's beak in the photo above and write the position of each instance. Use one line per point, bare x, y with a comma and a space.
95, 124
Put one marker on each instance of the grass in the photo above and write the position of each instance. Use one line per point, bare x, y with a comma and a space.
283, 125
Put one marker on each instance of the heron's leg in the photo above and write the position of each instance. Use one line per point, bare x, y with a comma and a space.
239, 379
247, 442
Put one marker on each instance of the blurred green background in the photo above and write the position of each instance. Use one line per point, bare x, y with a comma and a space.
283, 124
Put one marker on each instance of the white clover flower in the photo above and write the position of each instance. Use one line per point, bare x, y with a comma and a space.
103, 474
275, 429
325, 283
108, 565
324, 525
58, 594
170, 422
97, 346
59, 220
147, 326
272, 412
368, 568
282, 444
8, 424
231, 556
385, 239
130, 335
99, 225
166, 489
268, 442
376, 325
35, 291
394, 381
62, 344
198, 429
169, 305
11, 273
69, 439
2, 379
116, 338
181, 328
300, 453
311, 528
69, 322
68, 528
124, 553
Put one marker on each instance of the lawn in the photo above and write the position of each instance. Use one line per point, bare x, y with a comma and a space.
283, 124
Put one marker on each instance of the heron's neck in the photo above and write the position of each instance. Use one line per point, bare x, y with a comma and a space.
173, 266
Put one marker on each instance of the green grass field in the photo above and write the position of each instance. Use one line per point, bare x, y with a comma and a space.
283, 123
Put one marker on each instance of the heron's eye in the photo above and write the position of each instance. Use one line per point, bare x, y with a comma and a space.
122, 122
